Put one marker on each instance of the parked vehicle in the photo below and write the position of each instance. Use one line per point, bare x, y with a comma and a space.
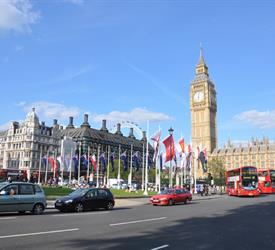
84, 199
21, 197
242, 181
171, 197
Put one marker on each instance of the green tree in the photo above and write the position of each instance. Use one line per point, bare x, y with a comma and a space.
217, 170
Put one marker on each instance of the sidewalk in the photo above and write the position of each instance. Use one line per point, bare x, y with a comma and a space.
132, 202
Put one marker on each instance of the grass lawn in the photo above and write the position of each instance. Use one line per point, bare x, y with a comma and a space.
61, 191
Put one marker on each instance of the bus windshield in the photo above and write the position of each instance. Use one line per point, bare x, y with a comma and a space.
272, 177
249, 178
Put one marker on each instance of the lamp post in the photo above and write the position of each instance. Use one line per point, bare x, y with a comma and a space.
170, 172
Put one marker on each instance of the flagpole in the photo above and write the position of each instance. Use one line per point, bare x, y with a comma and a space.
62, 161
146, 165
47, 163
142, 183
71, 161
195, 174
118, 171
108, 165
40, 162
156, 177
97, 167
131, 167
55, 163
88, 167
79, 160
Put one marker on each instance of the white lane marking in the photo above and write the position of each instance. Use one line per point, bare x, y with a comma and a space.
39, 233
161, 247
7, 218
61, 215
136, 221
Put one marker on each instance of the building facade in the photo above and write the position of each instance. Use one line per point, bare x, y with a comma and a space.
23, 146
258, 153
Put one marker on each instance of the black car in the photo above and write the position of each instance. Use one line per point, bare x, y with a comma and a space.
84, 199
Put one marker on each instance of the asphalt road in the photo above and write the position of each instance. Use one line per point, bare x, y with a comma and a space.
223, 223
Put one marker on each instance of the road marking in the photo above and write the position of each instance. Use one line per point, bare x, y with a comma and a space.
161, 247
136, 221
39, 233
7, 218
92, 213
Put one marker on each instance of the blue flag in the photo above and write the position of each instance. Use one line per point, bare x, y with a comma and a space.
123, 158
84, 162
75, 163
112, 160
136, 160
102, 161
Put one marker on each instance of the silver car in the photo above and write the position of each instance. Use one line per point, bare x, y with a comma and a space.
21, 197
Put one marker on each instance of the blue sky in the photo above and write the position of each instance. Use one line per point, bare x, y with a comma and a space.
130, 60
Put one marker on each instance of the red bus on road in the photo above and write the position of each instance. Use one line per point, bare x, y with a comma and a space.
266, 181
242, 181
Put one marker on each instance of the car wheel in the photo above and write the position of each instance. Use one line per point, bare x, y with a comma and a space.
109, 206
38, 209
79, 207
185, 201
22, 212
170, 202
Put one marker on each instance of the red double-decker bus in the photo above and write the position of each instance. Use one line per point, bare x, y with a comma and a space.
242, 181
266, 181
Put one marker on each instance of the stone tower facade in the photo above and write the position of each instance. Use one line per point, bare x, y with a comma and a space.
203, 107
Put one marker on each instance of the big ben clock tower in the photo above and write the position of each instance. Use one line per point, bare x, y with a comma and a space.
203, 108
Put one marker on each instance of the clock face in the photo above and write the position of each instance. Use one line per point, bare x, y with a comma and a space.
198, 96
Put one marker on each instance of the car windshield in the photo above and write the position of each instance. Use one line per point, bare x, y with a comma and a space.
78, 192
2, 184
167, 191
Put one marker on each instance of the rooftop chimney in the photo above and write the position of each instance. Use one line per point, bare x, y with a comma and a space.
104, 127
131, 133
118, 131
144, 136
71, 123
55, 122
85, 123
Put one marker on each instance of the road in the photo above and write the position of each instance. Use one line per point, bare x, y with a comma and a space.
222, 223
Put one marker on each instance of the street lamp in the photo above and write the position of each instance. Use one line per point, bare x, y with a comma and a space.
171, 180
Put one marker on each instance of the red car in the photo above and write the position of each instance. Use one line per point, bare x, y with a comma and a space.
171, 197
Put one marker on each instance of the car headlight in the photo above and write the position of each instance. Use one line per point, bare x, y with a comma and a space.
68, 201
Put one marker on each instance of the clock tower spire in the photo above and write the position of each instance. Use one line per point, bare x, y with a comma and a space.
203, 108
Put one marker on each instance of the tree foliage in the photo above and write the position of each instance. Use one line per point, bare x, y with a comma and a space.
216, 167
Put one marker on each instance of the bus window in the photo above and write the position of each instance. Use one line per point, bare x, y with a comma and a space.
230, 184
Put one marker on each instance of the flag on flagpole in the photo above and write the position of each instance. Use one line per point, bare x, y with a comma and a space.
123, 158
93, 161
84, 161
156, 138
53, 163
169, 147
203, 160
112, 160
102, 161
136, 160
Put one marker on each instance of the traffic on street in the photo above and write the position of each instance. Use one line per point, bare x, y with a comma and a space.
213, 222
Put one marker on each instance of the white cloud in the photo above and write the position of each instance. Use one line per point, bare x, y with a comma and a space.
136, 115
262, 120
17, 15
50, 110
76, 2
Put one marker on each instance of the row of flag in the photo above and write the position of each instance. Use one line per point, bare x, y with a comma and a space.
184, 152
66, 163
172, 150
